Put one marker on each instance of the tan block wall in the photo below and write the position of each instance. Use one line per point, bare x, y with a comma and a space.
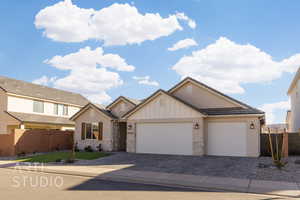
7, 147
131, 137
29, 141
198, 138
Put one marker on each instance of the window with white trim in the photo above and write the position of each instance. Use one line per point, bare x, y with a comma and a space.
38, 106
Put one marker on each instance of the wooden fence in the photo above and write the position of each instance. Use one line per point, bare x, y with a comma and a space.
292, 140
30, 141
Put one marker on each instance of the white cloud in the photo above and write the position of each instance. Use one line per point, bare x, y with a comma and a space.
44, 80
226, 65
90, 82
192, 24
145, 80
183, 44
270, 108
118, 24
88, 73
86, 57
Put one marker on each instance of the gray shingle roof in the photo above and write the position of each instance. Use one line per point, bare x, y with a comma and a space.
107, 112
38, 91
34, 118
231, 111
133, 101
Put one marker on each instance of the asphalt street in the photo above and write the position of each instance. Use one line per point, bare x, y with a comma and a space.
17, 184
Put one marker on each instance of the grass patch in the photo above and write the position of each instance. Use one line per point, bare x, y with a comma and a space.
54, 156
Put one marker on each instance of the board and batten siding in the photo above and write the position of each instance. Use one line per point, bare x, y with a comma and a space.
191, 93
92, 116
24, 105
121, 108
164, 107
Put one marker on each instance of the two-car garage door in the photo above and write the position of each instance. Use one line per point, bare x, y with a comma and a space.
164, 138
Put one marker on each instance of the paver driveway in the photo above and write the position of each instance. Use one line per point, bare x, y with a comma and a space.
235, 167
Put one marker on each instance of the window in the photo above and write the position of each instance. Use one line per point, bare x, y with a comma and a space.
55, 110
65, 110
60, 109
38, 106
88, 131
92, 131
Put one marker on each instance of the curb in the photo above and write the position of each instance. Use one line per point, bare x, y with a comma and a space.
158, 182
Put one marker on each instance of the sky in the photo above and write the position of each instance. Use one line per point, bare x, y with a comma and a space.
246, 49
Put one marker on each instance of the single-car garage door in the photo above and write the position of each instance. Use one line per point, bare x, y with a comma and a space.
227, 139
164, 138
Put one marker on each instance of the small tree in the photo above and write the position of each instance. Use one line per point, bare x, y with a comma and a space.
277, 150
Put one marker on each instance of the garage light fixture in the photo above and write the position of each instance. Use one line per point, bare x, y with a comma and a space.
129, 127
252, 125
196, 126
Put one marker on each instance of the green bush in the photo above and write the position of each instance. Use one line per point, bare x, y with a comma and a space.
88, 149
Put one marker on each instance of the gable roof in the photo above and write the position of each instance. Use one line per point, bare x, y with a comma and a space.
218, 93
35, 118
97, 107
126, 99
23, 88
136, 108
240, 109
294, 81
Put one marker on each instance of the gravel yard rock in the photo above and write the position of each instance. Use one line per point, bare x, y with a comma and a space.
219, 166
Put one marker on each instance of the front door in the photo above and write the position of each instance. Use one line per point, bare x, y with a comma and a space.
122, 136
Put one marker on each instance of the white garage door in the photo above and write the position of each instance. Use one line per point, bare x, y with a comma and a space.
164, 138
227, 139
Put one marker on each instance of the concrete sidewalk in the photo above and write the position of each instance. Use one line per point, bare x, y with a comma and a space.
287, 189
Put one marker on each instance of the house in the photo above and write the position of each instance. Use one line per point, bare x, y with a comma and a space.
293, 116
189, 119
98, 125
26, 105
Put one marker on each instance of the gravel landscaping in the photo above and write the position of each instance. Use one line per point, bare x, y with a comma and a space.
235, 167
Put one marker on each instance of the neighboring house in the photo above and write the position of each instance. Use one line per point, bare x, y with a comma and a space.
275, 128
97, 125
189, 119
288, 121
293, 117
26, 105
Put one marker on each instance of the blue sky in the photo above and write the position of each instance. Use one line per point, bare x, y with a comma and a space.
240, 47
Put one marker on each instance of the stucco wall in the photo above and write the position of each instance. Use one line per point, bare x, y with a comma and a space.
253, 135
90, 116
200, 97
121, 108
18, 104
5, 119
